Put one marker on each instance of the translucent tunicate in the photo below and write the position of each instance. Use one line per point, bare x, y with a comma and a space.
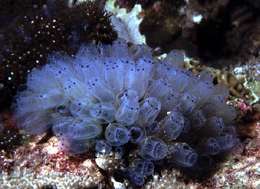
113, 73
161, 84
173, 125
75, 146
116, 134
216, 107
83, 130
153, 128
137, 72
149, 110
73, 88
102, 147
35, 123
170, 100
128, 112
136, 134
216, 124
144, 167
188, 102
153, 149
61, 126
187, 126
119, 152
211, 146
128, 95
184, 155
78, 108
226, 141
103, 111
28, 102
202, 90
206, 76
98, 89
135, 177
180, 79
174, 58
198, 119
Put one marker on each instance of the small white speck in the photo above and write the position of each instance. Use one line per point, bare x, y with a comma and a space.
197, 18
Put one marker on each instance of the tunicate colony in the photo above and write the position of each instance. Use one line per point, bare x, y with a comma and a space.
109, 96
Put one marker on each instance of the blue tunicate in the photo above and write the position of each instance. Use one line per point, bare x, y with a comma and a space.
136, 178
61, 126
119, 152
35, 123
202, 90
136, 72
128, 95
144, 167
188, 103
211, 146
153, 149
78, 108
102, 147
75, 146
198, 119
84, 129
226, 141
173, 125
113, 74
161, 84
136, 134
149, 110
128, 112
119, 98
175, 58
116, 134
153, 128
103, 111
99, 89
216, 124
180, 78
184, 155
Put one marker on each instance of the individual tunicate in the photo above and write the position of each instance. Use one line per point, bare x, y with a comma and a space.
144, 167
226, 141
136, 178
216, 124
211, 146
173, 125
61, 126
103, 111
149, 110
83, 130
116, 134
188, 103
153, 149
184, 155
128, 112
74, 146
